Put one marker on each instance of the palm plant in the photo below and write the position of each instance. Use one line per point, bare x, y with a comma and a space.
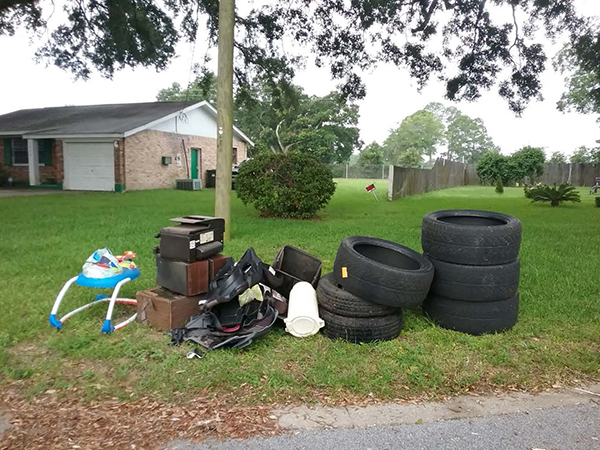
554, 195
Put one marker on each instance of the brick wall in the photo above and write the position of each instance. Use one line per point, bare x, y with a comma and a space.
58, 161
120, 163
144, 150
20, 174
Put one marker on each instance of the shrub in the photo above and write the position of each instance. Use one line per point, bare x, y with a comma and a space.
597, 202
3, 177
291, 185
527, 163
493, 166
499, 187
554, 195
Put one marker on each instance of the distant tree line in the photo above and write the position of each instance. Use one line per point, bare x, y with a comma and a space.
422, 135
583, 155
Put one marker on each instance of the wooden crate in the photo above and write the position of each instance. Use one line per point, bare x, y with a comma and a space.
216, 262
166, 310
187, 278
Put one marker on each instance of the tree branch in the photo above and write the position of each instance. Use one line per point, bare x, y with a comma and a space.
427, 16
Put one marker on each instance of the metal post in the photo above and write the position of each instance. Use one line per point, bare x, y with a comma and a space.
225, 114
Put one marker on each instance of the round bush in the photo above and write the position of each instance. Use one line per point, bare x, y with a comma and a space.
291, 185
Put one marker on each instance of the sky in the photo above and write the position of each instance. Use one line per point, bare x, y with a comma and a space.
391, 95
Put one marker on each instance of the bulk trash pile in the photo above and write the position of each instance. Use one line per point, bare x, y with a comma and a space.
372, 280
466, 280
477, 267
230, 303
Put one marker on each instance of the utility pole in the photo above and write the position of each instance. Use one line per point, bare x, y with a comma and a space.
225, 113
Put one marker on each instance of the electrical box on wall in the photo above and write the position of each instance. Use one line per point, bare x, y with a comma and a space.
167, 160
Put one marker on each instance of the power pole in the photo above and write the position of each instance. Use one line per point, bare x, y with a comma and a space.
225, 113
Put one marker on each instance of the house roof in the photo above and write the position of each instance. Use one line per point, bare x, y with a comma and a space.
116, 120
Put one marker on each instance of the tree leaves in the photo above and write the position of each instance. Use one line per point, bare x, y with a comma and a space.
418, 135
349, 37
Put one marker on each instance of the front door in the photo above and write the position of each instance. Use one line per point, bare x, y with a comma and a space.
195, 159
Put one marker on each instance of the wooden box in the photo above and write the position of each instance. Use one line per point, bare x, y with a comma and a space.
166, 310
187, 278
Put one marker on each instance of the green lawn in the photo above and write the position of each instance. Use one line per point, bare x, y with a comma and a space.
46, 239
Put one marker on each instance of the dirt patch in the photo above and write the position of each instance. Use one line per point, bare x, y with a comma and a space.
5, 417
51, 422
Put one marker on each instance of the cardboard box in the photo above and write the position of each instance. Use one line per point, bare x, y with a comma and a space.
166, 310
187, 278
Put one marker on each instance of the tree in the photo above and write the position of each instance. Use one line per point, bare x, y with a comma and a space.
527, 163
279, 116
418, 135
580, 156
411, 157
558, 158
493, 166
584, 155
371, 155
580, 61
324, 127
475, 54
467, 138
204, 87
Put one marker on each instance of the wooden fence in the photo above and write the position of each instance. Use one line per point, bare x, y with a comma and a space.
444, 174
575, 174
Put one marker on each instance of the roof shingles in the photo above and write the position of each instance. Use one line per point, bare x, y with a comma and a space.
87, 120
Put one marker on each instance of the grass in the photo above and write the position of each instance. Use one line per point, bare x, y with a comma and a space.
45, 240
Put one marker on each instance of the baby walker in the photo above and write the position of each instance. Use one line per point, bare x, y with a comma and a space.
101, 270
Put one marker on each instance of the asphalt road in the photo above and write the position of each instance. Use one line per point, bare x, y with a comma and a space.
562, 428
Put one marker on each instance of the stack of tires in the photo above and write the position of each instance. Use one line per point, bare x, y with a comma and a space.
372, 280
476, 260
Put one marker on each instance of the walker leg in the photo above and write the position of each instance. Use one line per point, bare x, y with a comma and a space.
52, 319
107, 327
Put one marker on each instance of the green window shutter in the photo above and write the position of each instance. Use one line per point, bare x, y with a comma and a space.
46, 151
7, 152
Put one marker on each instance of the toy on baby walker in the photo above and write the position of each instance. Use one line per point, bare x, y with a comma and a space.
101, 270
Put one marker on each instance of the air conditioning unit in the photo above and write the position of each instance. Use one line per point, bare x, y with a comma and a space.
188, 185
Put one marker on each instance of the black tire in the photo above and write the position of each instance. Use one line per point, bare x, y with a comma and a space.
473, 317
475, 283
383, 272
338, 301
464, 236
361, 329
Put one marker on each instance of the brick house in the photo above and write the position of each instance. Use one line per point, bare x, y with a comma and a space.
113, 147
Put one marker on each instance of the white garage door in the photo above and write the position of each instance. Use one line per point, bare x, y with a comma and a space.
89, 166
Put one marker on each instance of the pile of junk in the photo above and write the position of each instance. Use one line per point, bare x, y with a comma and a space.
209, 299
466, 280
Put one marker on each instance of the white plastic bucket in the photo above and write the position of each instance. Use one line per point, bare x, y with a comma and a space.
303, 312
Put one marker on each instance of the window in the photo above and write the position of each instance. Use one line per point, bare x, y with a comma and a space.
19, 151
20, 154
234, 157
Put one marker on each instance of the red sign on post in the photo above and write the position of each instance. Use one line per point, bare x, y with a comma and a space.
371, 190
